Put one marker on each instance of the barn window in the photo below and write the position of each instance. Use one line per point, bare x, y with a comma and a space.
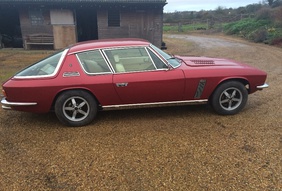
114, 18
36, 17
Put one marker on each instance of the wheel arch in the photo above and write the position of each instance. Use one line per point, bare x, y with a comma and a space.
74, 89
244, 81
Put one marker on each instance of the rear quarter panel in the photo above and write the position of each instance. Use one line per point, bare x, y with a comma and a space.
43, 91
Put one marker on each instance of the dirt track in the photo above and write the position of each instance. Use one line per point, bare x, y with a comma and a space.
208, 42
175, 148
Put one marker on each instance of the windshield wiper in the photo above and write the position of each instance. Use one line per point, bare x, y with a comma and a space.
176, 58
180, 59
171, 58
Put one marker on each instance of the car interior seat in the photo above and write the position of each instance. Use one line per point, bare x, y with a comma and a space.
119, 65
93, 67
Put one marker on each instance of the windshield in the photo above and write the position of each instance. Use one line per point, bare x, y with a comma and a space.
44, 68
173, 61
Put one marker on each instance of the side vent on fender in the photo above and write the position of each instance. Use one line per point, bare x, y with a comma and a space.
200, 89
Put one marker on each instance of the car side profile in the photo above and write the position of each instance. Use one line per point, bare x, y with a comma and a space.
87, 77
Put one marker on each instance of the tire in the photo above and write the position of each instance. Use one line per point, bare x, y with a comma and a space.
229, 98
76, 108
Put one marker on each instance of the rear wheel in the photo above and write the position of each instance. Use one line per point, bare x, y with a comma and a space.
76, 108
229, 98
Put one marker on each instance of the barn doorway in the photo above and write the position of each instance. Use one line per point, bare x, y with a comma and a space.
86, 21
10, 30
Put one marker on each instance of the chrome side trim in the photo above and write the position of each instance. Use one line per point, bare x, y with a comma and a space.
262, 86
6, 104
155, 104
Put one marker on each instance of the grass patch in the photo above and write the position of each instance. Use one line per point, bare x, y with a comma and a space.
256, 30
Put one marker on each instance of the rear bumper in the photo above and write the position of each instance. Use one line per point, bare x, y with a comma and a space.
261, 87
8, 105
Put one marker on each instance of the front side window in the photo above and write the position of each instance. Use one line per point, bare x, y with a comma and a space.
93, 62
130, 60
44, 68
158, 62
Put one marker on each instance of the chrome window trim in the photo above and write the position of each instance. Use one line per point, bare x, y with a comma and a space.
156, 104
151, 58
161, 58
131, 72
98, 73
108, 61
103, 48
50, 75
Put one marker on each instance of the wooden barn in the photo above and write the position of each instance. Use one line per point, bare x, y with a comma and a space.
36, 24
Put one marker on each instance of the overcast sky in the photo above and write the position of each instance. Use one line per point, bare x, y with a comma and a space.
197, 5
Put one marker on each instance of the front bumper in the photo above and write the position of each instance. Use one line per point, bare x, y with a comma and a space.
8, 105
261, 87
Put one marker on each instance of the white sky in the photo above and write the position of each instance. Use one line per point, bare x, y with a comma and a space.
197, 5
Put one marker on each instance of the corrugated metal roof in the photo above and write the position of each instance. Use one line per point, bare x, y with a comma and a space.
82, 1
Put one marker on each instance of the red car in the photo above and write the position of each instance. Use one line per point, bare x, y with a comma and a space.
120, 73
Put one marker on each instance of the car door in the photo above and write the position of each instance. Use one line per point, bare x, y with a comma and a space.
139, 79
99, 77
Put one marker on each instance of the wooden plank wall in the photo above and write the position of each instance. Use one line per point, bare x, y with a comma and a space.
145, 24
64, 35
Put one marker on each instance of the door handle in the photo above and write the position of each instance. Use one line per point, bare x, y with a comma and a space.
121, 84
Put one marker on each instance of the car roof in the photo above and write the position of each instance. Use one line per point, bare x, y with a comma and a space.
107, 43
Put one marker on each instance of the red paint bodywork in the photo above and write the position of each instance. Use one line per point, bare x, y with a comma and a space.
174, 84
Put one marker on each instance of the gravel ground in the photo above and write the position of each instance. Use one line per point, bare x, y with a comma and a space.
168, 148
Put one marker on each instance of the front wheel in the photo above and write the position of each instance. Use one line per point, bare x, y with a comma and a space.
229, 98
76, 108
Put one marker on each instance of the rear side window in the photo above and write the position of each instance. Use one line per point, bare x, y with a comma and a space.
44, 68
93, 62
